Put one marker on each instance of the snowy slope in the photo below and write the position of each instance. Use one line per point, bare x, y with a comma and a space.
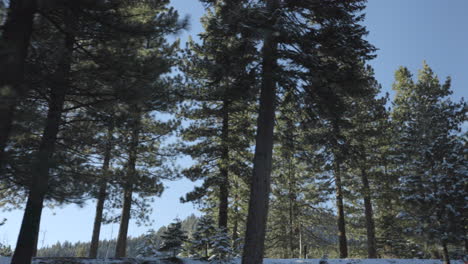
6, 260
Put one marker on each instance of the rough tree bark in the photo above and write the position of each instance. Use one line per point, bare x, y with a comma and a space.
224, 171
29, 231
260, 182
342, 240
343, 244
370, 225
14, 44
93, 249
121, 247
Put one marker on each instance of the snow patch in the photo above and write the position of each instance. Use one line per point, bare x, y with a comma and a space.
6, 260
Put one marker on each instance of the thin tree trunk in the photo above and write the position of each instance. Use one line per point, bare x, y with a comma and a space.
291, 233
370, 225
343, 245
93, 249
260, 182
121, 247
14, 44
94, 246
288, 156
292, 200
29, 231
235, 226
300, 241
445, 253
224, 170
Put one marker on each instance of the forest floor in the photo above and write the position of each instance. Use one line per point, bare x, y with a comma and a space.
6, 260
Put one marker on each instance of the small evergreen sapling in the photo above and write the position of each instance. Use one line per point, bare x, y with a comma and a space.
222, 251
173, 238
148, 247
201, 239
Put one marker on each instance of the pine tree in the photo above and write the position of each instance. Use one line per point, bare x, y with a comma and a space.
102, 189
260, 181
220, 70
200, 242
321, 73
368, 118
296, 198
145, 164
222, 251
391, 240
28, 236
431, 165
104, 27
149, 247
173, 238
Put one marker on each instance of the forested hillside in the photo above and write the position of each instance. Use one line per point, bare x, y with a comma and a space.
296, 150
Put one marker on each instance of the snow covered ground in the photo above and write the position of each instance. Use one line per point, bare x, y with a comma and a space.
358, 261
6, 260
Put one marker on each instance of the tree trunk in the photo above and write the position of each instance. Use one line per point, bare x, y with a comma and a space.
121, 246
300, 241
260, 182
94, 246
445, 253
224, 170
29, 231
235, 226
291, 219
14, 44
370, 225
93, 249
343, 245
36, 242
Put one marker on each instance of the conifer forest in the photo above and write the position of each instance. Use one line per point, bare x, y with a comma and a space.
273, 111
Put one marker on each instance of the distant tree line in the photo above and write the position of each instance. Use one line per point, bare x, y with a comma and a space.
107, 247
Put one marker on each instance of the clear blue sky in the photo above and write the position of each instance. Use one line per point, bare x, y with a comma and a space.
406, 33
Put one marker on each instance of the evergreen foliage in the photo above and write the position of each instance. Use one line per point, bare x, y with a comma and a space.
221, 76
173, 238
200, 241
149, 247
222, 251
432, 164
297, 151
